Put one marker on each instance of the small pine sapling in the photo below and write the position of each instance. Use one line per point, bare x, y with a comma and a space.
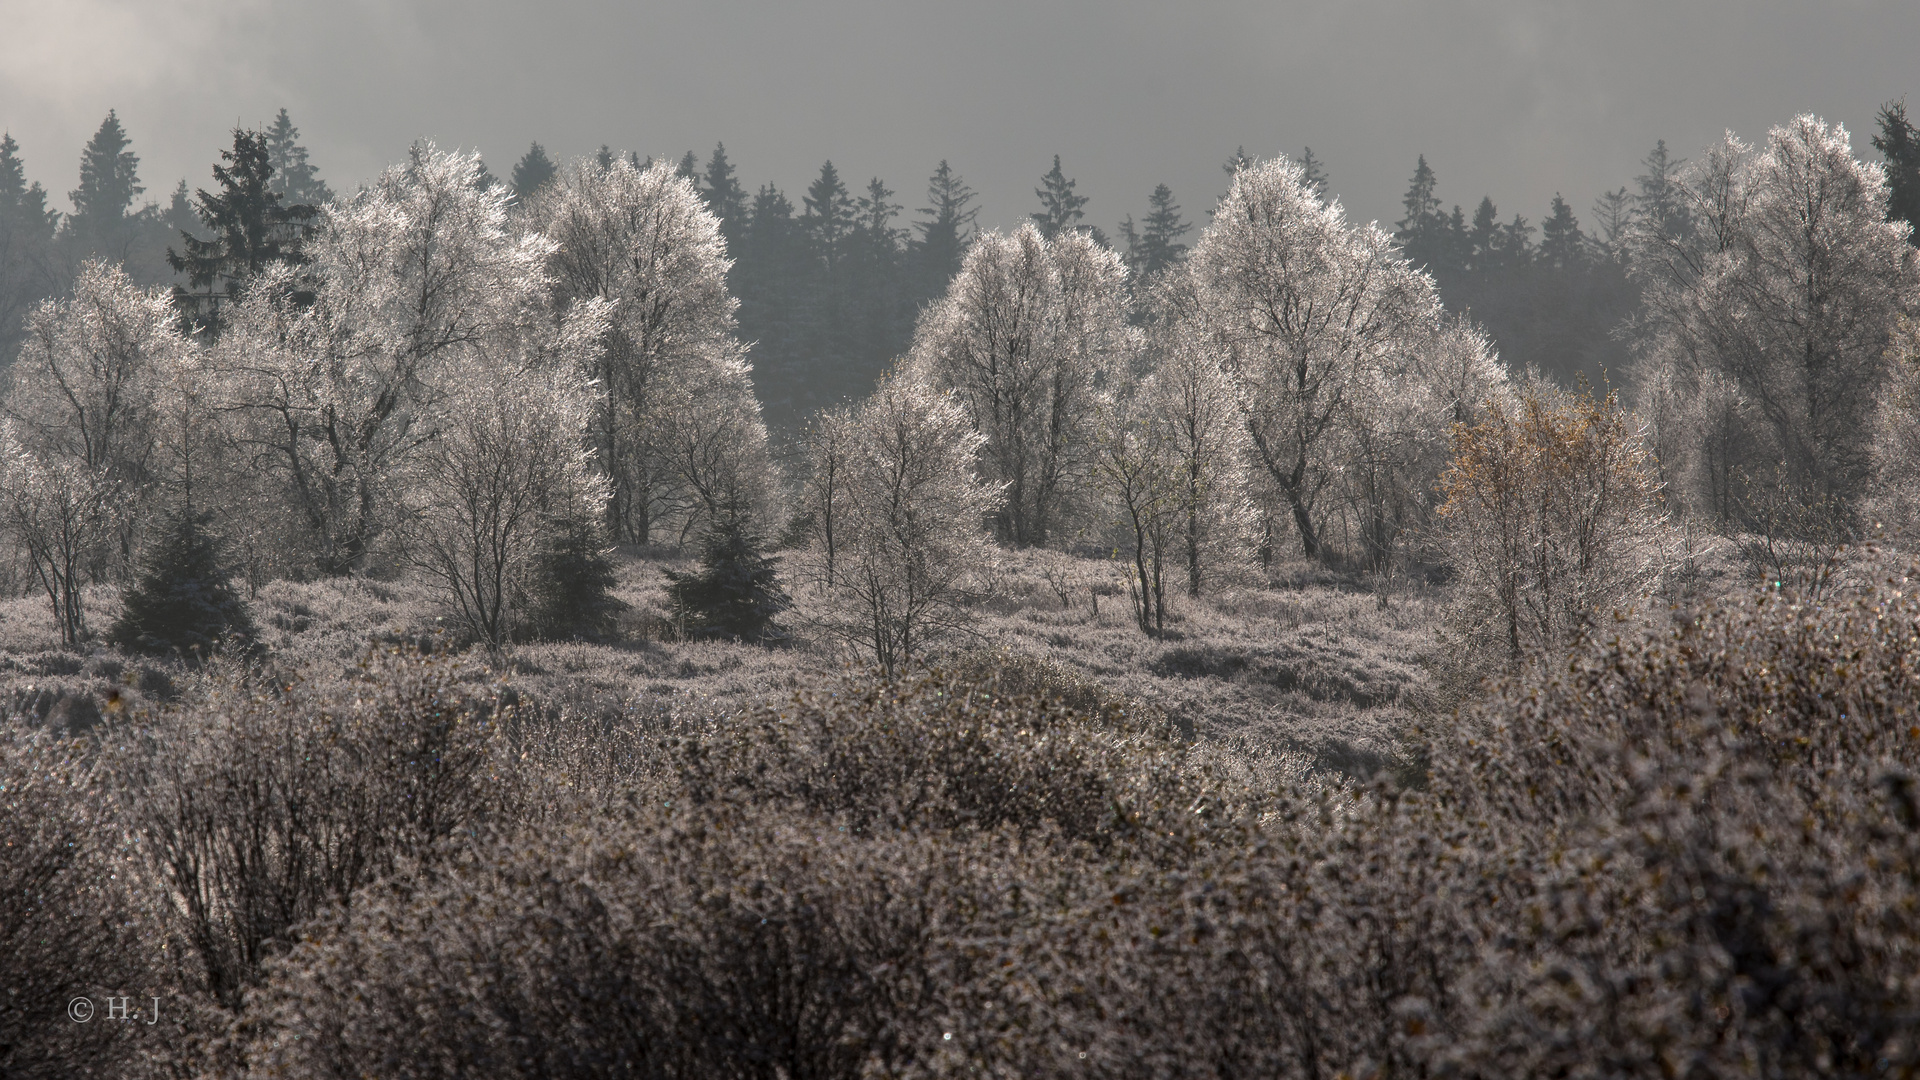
573, 584
183, 600
734, 594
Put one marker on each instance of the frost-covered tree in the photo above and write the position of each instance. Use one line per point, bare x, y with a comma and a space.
912, 538
508, 456
678, 429
1308, 313
61, 513
1553, 518
416, 279
1135, 468
1028, 337
1768, 324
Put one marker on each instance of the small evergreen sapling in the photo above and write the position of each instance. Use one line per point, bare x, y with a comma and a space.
574, 580
734, 593
183, 601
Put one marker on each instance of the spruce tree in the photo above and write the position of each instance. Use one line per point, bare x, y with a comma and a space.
829, 217
26, 238
1156, 245
604, 157
1422, 232
294, 178
735, 593
1060, 208
725, 195
251, 228
689, 168
1483, 237
533, 170
182, 601
573, 584
1561, 243
1314, 172
1658, 205
945, 232
1899, 143
109, 176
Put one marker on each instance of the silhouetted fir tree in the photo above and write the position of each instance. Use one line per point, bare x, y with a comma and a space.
1313, 170
735, 593
879, 290
294, 178
179, 216
829, 215
1612, 214
573, 582
1483, 237
483, 179
829, 222
1422, 232
604, 157
1156, 245
109, 176
725, 196
771, 276
1899, 143
250, 228
1658, 204
26, 246
1060, 208
533, 169
689, 168
1561, 244
1516, 243
945, 232
1236, 161
182, 600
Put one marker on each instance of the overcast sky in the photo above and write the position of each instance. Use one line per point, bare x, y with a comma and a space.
1511, 98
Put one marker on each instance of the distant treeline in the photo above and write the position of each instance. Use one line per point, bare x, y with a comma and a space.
829, 289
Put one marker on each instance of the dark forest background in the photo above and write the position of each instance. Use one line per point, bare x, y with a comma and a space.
830, 283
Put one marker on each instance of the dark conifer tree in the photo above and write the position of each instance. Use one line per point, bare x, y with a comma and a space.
1422, 232
250, 227
1315, 173
1562, 245
1899, 143
1658, 205
573, 584
26, 245
945, 232
1060, 208
1156, 245
829, 216
1236, 161
295, 179
1516, 243
109, 177
689, 168
736, 592
881, 297
1483, 237
1612, 214
533, 170
182, 601
725, 196
604, 157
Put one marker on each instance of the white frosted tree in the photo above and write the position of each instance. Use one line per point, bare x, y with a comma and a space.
1768, 325
1028, 337
1311, 316
1136, 468
83, 387
912, 537
61, 513
1191, 400
677, 428
508, 457
413, 281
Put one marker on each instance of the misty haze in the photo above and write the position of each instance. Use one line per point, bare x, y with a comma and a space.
1348, 540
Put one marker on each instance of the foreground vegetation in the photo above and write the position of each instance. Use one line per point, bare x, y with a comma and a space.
1692, 850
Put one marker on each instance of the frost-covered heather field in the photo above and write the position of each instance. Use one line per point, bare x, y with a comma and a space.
1309, 662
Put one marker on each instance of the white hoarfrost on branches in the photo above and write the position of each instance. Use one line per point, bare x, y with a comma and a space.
677, 427
60, 512
508, 459
910, 534
1767, 328
1029, 336
1318, 322
417, 284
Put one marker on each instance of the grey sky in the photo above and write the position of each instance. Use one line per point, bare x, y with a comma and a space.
1511, 98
